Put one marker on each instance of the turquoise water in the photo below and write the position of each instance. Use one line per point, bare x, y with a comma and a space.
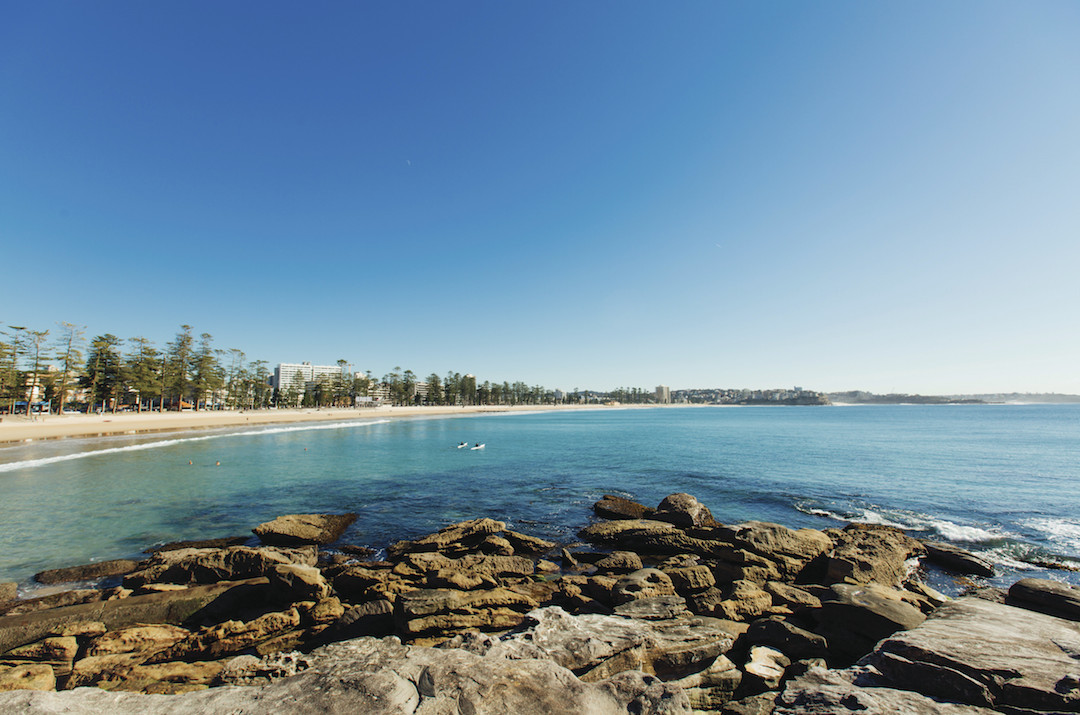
996, 478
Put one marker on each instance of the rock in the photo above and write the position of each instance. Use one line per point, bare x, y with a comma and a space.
764, 669
442, 612
454, 539
144, 638
220, 543
791, 596
301, 529
568, 560
780, 543
742, 601
191, 566
1053, 597
957, 560
229, 637
80, 629
87, 572
53, 600
497, 545
683, 510
871, 553
794, 642
760, 704
374, 618
31, 676
58, 652
655, 608
643, 583
524, 544
363, 552
620, 562
474, 564
710, 688
297, 582
690, 579
616, 507
459, 580
249, 670
172, 608
854, 618
832, 692
986, 654
9, 591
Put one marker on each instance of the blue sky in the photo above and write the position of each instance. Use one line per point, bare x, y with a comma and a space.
839, 195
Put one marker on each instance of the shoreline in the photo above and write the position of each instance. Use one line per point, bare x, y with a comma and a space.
18, 429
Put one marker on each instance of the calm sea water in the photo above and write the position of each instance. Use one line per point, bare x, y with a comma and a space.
1000, 479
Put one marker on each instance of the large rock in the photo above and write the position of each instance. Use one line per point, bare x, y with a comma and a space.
175, 608
643, 583
438, 613
683, 510
854, 618
957, 560
383, 677
301, 529
834, 692
190, 566
143, 638
87, 572
229, 637
29, 676
870, 553
611, 506
1053, 597
987, 654
794, 642
454, 539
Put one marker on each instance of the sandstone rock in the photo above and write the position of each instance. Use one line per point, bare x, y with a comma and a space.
568, 560
297, 582
31, 676
794, 642
454, 539
301, 529
987, 654
524, 544
620, 562
229, 637
764, 669
167, 678
644, 583
690, 579
103, 670
250, 670
710, 688
779, 542
1053, 597
144, 638
219, 543
854, 618
957, 560
655, 608
374, 618
458, 579
192, 566
475, 564
53, 600
496, 545
795, 598
442, 612
325, 610
683, 510
174, 608
87, 572
760, 704
742, 601
9, 591
832, 692
866, 553
616, 507
80, 629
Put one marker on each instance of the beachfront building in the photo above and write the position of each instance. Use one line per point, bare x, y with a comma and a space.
286, 373
663, 394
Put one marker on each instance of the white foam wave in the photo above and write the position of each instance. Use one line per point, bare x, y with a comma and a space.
33, 463
957, 532
1060, 532
947, 530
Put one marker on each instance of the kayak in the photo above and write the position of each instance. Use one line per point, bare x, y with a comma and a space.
479, 446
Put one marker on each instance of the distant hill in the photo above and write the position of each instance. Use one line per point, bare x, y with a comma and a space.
861, 397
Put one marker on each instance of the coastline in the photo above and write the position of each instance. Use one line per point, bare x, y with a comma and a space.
15, 429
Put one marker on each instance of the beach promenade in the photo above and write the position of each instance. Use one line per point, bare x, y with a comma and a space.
19, 428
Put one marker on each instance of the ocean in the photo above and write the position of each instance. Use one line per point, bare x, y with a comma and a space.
1001, 480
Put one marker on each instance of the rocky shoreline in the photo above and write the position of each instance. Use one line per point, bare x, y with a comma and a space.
656, 611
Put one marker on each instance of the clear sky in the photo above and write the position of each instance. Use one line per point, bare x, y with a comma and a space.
837, 195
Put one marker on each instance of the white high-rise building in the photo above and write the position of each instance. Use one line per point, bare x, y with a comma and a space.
663, 394
285, 373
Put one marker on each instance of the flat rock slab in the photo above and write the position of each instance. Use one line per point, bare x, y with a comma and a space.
957, 560
299, 529
834, 692
988, 654
87, 572
1053, 597
382, 676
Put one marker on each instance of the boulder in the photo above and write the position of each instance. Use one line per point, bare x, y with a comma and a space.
655, 608
87, 572
29, 676
742, 601
643, 583
778, 542
764, 669
57, 652
9, 591
454, 539
691, 579
794, 642
957, 560
760, 704
986, 654
524, 544
683, 510
439, 613
620, 562
298, 582
496, 545
871, 553
832, 692
854, 618
711, 688
1053, 597
791, 596
616, 507
229, 637
143, 638
191, 566
302, 529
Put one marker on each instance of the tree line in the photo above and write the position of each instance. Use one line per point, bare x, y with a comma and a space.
46, 368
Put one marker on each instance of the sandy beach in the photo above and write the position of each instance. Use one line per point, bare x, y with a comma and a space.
19, 428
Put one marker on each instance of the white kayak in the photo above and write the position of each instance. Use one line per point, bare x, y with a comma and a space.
463, 444
479, 446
